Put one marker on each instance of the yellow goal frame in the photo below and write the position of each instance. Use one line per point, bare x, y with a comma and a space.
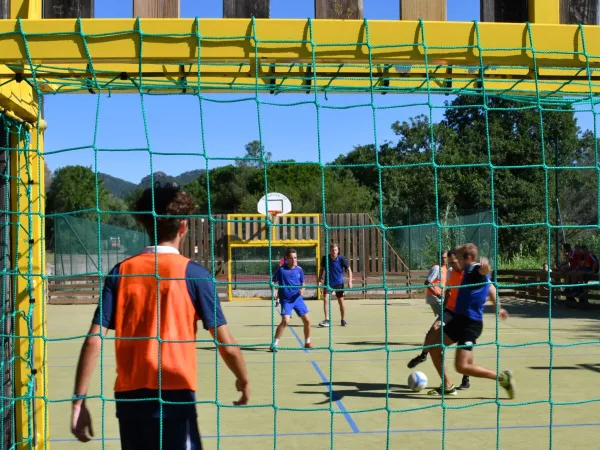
561, 60
252, 243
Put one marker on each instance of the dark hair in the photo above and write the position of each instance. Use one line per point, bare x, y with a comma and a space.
451, 252
169, 200
289, 251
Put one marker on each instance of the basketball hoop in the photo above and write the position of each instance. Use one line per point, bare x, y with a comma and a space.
274, 214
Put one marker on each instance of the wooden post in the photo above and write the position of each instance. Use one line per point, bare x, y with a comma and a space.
156, 9
339, 9
504, 11
423, 9
3, 9
68, 9
243, 9
579, 12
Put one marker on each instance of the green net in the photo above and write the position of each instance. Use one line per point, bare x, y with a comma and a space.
80, 245
495, 149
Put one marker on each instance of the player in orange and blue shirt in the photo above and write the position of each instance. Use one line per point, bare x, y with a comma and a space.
157, 294
466, 325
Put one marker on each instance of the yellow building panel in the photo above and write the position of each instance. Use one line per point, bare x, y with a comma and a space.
397, 55
17, 97
53, 41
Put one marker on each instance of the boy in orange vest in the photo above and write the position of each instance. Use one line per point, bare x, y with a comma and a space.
154, 316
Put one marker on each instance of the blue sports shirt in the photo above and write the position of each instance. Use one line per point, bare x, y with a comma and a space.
336, 269
471, 300
289, 277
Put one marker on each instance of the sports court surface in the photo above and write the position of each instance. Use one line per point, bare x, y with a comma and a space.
299, 380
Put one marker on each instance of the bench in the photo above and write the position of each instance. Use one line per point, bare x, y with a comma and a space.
79, 290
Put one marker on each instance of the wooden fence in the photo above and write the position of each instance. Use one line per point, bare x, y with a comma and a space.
518, 284
529, 284
358, 236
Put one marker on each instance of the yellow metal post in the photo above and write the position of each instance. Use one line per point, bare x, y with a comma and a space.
544, 11
27, 205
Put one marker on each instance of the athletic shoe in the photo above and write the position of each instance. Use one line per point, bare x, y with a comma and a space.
344, 323
325, 323
438, 391
417, 360
308, 345
465, 384
508, 383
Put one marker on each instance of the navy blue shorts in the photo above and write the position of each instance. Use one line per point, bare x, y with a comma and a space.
144, 434
297, 305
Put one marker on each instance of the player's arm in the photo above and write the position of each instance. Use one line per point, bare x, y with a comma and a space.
349, 273
232, 356
301, 282
81, 421
276, 281
484, 267
495, 300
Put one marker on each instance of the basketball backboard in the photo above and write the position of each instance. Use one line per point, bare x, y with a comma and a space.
274, 204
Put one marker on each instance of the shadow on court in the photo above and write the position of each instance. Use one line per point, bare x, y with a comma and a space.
381, 343
592, 367
373, 390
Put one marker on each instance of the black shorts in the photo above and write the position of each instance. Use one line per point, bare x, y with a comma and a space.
144, 434
339, 290
462, 330
448, 315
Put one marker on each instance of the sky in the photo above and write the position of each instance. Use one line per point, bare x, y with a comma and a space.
173, 122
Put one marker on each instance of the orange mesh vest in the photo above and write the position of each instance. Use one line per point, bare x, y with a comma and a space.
455, 280
136, 316
437, 290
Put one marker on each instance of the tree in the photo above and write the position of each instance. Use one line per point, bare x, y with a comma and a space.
73, 190
255, 155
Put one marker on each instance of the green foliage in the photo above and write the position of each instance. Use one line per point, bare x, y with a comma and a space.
116, 186
516, 139
255, 154
74, 189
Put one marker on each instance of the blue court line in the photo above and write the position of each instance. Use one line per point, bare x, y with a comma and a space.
329, 387
401, 431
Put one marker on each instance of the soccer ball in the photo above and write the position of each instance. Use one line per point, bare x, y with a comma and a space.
417, 381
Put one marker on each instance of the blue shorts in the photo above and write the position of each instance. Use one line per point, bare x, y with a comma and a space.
297, 305
144, 434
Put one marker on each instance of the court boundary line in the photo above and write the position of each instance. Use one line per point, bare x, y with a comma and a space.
329, 385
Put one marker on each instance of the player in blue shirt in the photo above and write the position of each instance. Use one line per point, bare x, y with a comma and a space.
466, 324
335, 279
290, 278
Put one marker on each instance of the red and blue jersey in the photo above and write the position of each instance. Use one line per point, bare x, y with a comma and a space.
290, 281
336, 269
154, 296
471, 299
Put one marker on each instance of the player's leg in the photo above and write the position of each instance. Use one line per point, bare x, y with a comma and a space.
286, 314
302, 310
464, 365
438, 363
340, 297
422, 357
325, 323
